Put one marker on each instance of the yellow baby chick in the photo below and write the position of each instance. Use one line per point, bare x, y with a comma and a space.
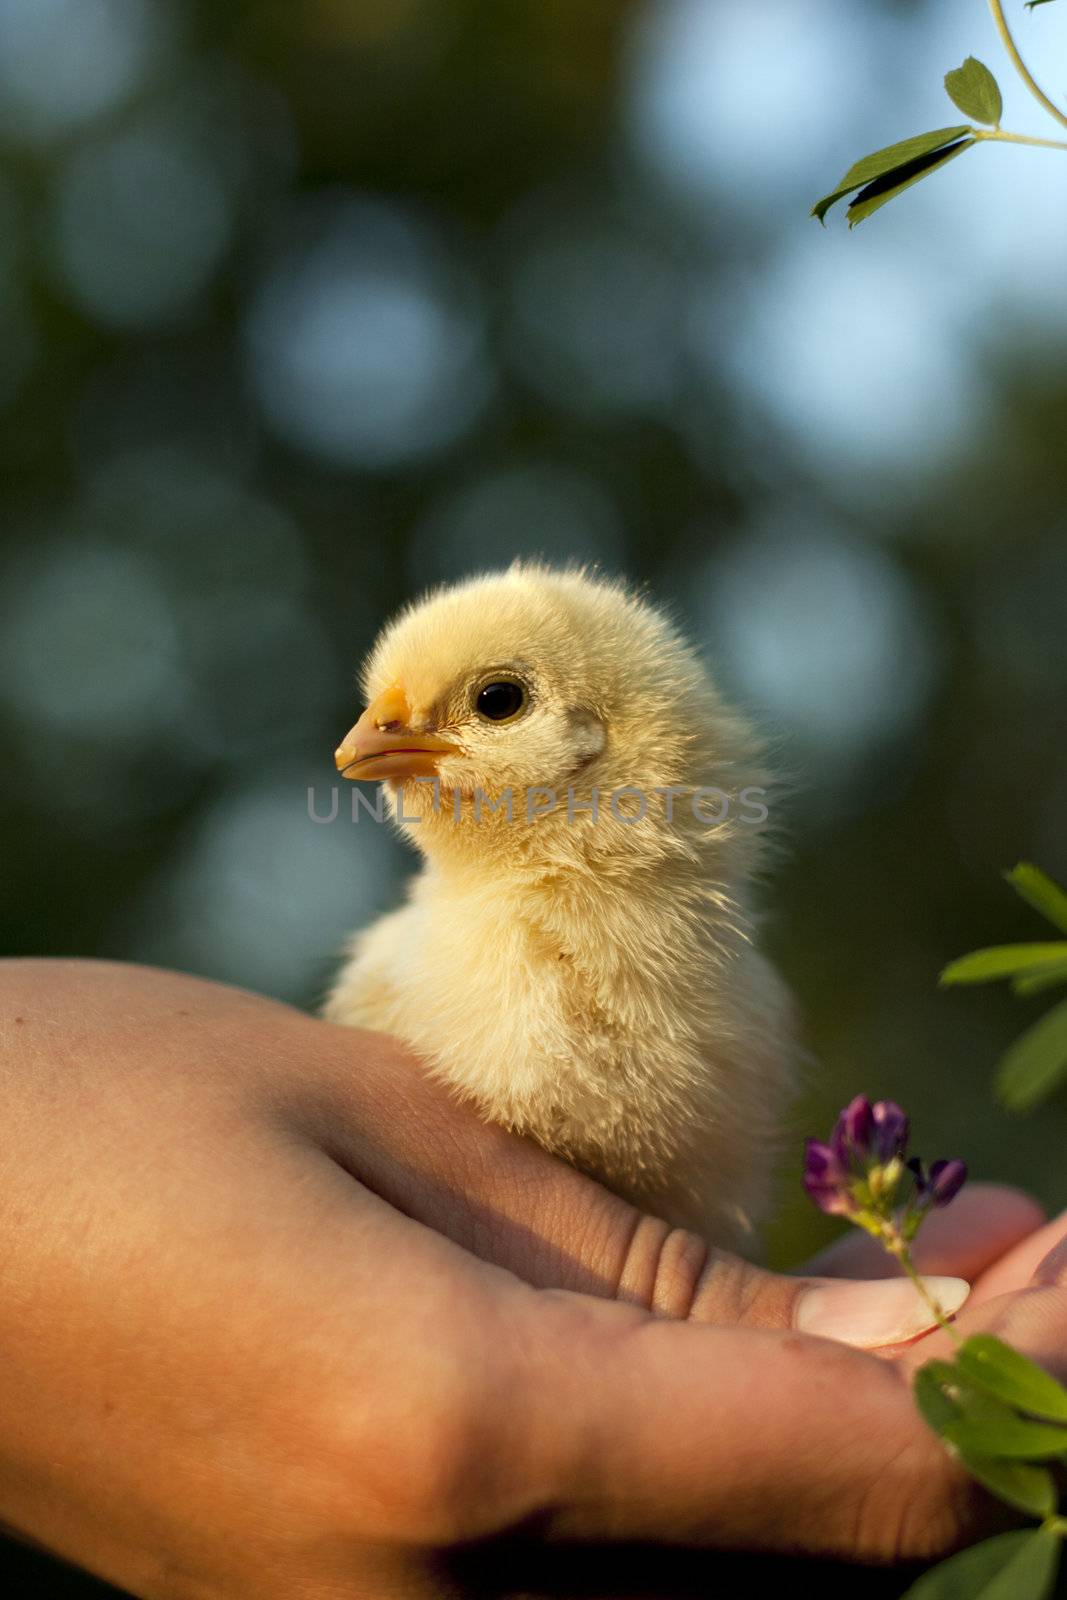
576, 954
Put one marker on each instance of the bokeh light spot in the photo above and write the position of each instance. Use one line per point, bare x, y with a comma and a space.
89, 645
65, 62
735, 100
141, 223
365, 341
824, 635
262, 895
853, 355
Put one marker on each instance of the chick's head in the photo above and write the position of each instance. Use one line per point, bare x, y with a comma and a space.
535, 679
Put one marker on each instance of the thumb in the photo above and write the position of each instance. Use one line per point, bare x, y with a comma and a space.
737, 1438
868, 1313
507, 1201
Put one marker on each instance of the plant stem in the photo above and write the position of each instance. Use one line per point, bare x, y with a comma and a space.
936, 1310
899, 1250
1019, 138
1020, 65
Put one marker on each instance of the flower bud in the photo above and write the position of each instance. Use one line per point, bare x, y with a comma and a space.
945, 1181
825, 1179
862, 1173
852, 1135
866, 1135
889, 1133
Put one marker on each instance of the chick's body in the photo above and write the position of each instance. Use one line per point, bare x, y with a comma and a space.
576, 953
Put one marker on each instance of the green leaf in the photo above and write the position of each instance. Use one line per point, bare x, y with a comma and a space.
1039, 891
1008, 1438
974, 89
1002, 961
1030, 4
946, 1398
881, 162
995, 1367
933, 1387
1027, 1488
1032, 1067
1028, 983
1013, 1566
882, 190
962, 1411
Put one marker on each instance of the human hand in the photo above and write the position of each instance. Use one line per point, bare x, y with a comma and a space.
281, 1319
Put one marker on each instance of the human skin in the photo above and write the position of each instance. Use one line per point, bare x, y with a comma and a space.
280, 1319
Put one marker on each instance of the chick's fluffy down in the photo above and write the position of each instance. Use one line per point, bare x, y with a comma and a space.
586, 973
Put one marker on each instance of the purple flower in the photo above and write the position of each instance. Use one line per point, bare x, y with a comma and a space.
825, 1179
942, 1183
861, 1172
852, 1136
867, 1134
946, 1180
890, 1135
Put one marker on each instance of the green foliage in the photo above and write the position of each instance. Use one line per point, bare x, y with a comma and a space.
1028, 983
1013, 1566
937, 1389
1037, 1062
1005, 961
1039, 891
993, 1366
1001, 1415
975, 91
973, 88
887, 188
895, 167
1007, 1438
1028, 1488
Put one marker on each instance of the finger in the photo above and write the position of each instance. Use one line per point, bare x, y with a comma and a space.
1052, 1268
508, 1202
823, 1459
1037, 1259
982, 1224
757, 1440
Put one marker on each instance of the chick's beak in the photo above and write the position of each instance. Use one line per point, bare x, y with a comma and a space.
382, 745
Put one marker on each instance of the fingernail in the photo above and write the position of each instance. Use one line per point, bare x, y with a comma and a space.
869, 1314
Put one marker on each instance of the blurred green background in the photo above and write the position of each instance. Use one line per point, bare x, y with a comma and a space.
305, 307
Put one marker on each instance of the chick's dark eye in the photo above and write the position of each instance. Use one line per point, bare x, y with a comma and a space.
498, 701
